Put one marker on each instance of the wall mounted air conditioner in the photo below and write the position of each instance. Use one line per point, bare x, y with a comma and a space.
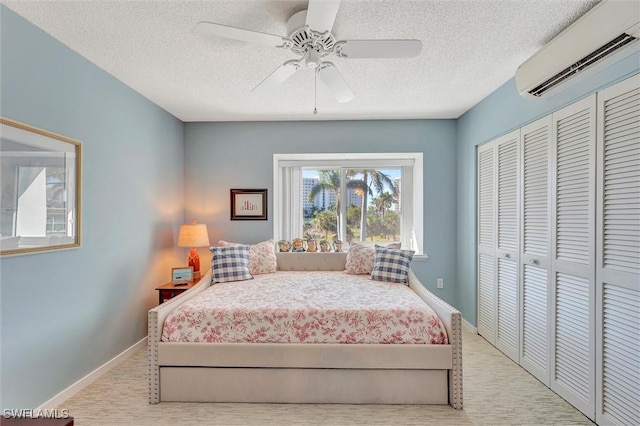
607, 32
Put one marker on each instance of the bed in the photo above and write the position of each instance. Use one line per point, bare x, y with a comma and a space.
298, 371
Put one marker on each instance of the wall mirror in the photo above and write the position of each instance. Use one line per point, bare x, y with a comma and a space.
40, 190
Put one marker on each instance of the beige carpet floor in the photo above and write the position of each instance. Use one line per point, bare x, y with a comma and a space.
496, 392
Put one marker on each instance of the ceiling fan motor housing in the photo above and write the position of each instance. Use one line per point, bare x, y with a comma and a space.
302, 39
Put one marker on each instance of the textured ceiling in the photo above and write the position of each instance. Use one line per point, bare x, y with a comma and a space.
470, 48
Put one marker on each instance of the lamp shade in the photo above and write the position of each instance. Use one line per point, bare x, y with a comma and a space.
194, 235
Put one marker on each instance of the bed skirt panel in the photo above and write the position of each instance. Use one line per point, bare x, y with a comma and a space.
305, 355
311, 386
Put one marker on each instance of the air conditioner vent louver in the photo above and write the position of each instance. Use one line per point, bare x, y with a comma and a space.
600, 53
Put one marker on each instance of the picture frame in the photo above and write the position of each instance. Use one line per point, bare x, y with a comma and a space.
40, 190
248, 204
182, 274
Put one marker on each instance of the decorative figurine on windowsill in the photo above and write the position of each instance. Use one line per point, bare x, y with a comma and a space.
325, 246
337, 246
312, 246
298, 245
283, 245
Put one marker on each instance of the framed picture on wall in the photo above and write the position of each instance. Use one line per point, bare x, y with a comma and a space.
248, 204
40, 188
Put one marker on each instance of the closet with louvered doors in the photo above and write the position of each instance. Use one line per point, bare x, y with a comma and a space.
536, 246
618, 255
577, 306
487, 312
507, 150
573, 254
498, 230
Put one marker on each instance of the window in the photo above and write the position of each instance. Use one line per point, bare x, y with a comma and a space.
364, 198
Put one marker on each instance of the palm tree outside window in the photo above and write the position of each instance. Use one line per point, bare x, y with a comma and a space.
362, 187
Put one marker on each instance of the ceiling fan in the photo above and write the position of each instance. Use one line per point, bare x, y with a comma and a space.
309, 36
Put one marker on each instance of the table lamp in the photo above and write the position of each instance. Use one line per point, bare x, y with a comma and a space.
194, 235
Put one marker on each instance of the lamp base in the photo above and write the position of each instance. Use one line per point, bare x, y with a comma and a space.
194, 261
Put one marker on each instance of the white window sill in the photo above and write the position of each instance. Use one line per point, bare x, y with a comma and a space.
420, 257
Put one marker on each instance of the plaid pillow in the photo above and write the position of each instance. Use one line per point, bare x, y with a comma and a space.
262, 256
230, 264
391, 265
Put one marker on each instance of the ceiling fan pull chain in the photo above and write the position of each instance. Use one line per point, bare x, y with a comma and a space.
315, 91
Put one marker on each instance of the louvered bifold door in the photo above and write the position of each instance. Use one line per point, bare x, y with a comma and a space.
535, 248
618, 255
573, 255
486, 243
507, 150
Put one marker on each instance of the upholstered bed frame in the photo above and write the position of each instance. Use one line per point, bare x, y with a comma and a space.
307, 373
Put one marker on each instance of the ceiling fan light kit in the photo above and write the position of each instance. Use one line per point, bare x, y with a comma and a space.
309, 36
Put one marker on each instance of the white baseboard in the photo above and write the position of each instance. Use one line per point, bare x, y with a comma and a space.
466, 324
57, 400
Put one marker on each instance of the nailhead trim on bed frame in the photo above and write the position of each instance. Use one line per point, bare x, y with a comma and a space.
152, 354
456, 372
154, 338
455, 375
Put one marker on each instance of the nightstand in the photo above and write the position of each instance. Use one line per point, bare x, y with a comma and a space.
169, 290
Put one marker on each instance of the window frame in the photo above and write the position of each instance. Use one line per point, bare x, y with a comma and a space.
411, 164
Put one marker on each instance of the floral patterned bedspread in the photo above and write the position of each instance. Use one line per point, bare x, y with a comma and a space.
305, 307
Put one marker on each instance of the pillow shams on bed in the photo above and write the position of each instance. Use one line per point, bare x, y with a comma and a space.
262, 256
230, 264
360, 260
391, 265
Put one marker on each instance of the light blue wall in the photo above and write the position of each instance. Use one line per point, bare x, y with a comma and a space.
220, 156
502, 111
63, 314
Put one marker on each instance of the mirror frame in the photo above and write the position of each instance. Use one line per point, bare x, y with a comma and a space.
40, 138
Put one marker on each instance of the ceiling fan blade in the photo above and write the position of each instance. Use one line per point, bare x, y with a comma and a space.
378, 48
234, 33
321, 14
336, 83
282, 73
